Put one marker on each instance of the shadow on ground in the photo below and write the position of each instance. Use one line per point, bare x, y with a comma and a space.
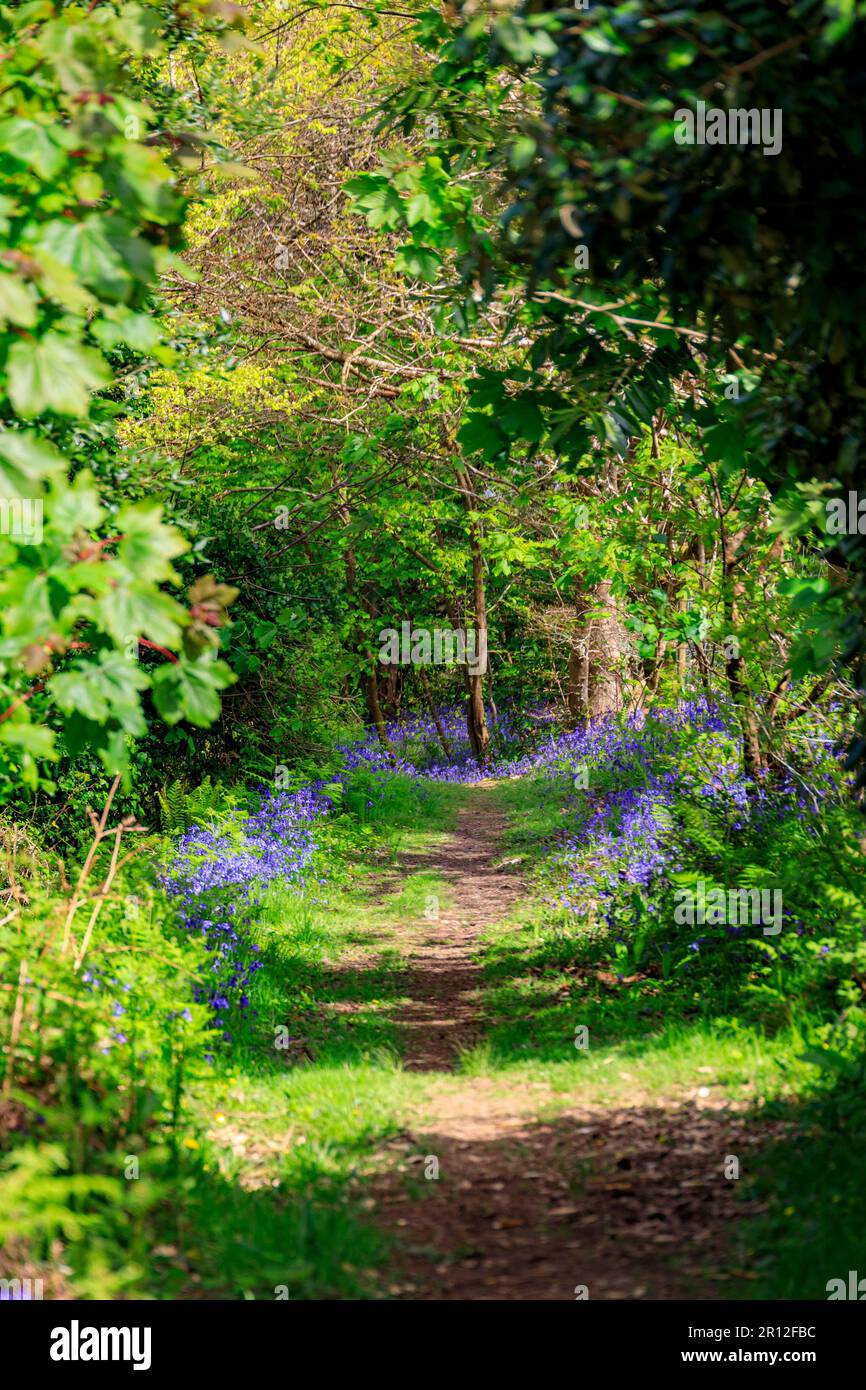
628, 1203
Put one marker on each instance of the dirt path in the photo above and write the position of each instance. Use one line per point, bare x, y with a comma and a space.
444, 977
598, 1198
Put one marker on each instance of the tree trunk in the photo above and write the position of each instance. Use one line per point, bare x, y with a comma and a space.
476, 719
595, 662
606, 653
370, 684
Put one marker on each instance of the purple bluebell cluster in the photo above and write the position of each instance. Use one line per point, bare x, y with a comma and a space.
631, 833
219, 873
416, 746
624, 834
623, 838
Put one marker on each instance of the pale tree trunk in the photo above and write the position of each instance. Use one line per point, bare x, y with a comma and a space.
732, 555
597, 655
606, 654
699, 554
682, 661
599, 643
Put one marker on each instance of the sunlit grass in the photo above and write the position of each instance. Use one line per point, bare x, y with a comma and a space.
295, 1136
295, 1114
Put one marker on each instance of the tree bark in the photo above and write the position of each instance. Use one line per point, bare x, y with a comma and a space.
476, 719
595, 660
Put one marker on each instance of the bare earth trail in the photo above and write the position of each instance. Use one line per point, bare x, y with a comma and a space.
527, 1206
445, 977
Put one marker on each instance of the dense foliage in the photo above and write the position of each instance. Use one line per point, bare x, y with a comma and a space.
391, 402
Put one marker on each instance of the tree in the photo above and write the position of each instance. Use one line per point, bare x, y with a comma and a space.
707, 256
91, 216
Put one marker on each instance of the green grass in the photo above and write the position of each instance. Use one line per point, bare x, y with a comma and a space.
813, 1186
276, 1195
658, 1039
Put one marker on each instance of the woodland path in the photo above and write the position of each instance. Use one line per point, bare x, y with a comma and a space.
626, 1200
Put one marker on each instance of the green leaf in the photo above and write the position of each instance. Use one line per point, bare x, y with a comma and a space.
374, 197
805, 593
33, 145
74, 507
421, 208
85, 248
725, 443
190, 690
522, 152
418, 261
604, 39
54, 373
681, 54
521, 42
480, 432
138, 331
27, 462
34, 739
56, 281
17, 302
140, 611
102, 689
148, 545
520, 418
